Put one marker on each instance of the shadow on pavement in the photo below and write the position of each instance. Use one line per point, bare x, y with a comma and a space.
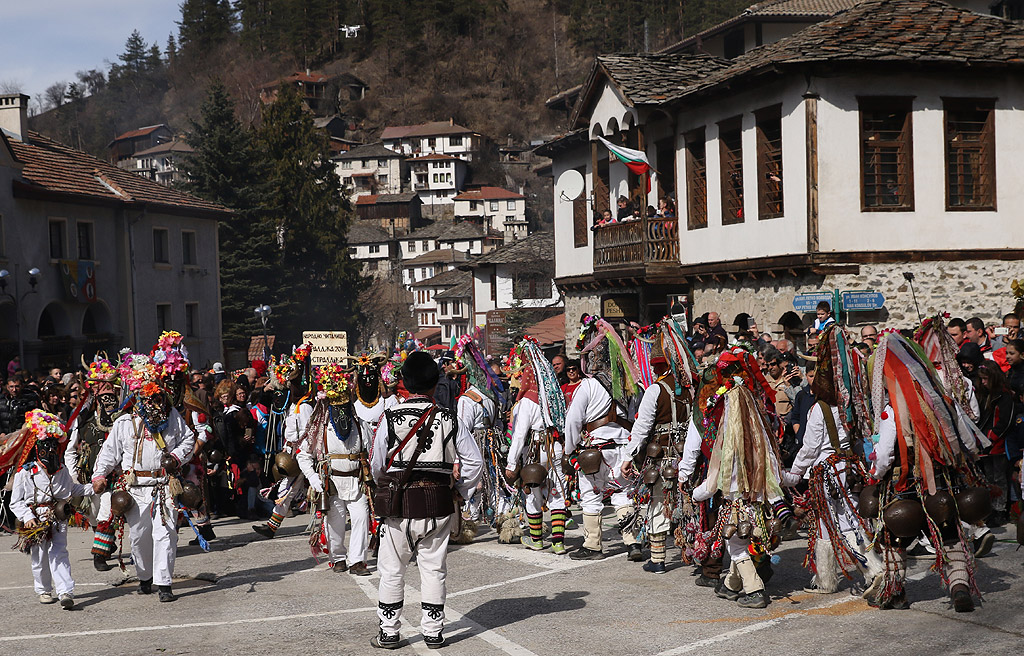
497, 613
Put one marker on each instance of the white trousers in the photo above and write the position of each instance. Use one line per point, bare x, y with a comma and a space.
359, 512
659, 523
399, 540
154, 540
552, 489
592, 486
295, 491
50, 565
100, 511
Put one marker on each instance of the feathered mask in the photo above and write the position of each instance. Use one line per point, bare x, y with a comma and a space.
469, 358
605, 358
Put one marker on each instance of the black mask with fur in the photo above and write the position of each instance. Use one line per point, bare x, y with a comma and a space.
368, 384
48, 455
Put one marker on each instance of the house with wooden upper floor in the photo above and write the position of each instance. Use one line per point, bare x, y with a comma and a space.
370, 169
494, 208
877, 142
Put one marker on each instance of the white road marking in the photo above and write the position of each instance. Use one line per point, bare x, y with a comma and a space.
77, 585
188, 625
536, 575
744, 630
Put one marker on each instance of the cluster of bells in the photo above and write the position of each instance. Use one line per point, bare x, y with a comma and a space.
905, 517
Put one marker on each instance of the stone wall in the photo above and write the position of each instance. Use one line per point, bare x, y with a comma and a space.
964, 289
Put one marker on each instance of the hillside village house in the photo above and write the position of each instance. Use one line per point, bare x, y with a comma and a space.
494, 208
454, 309
435, 138
320, 92
125, 145
878, 141
427, 307
161, 163
122, 258
370, 169
429, 265
437, 179
515, 276
396, 213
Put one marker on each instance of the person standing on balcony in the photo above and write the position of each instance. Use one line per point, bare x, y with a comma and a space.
625, 209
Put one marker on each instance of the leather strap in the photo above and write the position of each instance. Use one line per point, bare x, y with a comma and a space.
344, 456
830, 426
156, 473
611, 417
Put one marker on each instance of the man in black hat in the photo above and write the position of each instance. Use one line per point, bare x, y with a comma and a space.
416, 446
447, 392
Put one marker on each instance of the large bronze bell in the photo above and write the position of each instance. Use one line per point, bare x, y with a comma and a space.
63, 510
974, 504
669, 470
940, 506
729, 531
191, 496
654, 450
285, 466
651, 476
121, 502
534, 474
904, 518
869, 502
169, 464
744, 529
215, 456
590, 461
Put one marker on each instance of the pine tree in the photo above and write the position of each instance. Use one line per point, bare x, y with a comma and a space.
224, 168
204, 25
319, 281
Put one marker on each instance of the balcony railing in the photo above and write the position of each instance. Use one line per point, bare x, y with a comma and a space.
636, 243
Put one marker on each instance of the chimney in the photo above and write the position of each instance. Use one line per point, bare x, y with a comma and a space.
14, 116
451, 120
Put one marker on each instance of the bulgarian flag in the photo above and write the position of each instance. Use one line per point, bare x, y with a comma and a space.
635, 160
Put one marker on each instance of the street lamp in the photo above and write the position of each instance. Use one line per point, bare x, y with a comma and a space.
33, 279
263, 312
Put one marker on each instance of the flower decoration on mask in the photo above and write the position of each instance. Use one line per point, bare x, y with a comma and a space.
586, 323
332, 381
102, 371
150, 389
390, 372
42, 425
136, 370
283, 372
302, 353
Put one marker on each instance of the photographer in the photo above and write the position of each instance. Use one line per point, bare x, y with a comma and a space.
784, 377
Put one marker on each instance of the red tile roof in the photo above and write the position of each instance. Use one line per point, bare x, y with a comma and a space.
432, 129
140, 132
53, 168
174, 145
489, 193
548, 331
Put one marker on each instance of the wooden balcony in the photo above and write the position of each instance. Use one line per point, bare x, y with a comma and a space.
633, 248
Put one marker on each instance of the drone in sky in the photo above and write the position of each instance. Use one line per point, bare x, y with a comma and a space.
351, 31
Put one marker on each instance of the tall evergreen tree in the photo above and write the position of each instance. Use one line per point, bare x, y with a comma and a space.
224, 168
319, 281
204, 24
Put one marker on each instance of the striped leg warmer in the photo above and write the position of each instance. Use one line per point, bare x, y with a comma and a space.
536, 522
274, 522
658, 547
103, 540
557, 525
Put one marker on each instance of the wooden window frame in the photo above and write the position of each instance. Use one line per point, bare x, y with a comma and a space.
986, 149
730, 167
696, 179
904, 144
64, 249
90, 229
770, 193
194, 254
166, 245
192, 317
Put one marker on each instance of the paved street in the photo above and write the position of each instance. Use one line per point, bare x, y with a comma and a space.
270, 597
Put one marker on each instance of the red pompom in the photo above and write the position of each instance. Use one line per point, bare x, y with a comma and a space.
202, 417
885, 415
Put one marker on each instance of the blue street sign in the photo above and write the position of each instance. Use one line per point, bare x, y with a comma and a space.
863, 301
809, 302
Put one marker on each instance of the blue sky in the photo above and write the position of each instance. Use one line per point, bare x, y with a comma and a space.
45, 41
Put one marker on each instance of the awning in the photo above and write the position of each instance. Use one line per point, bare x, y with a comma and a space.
255, 351
549, 331
429, 335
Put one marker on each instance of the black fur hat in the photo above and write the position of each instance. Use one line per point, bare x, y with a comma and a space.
419, 373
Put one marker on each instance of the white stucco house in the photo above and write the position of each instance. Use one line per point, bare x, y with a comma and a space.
836, 157
370, 169
496, 209
434, 138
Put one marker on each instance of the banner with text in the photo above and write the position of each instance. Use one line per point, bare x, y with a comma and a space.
328, 346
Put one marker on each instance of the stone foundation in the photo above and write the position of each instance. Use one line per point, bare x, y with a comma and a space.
974, 288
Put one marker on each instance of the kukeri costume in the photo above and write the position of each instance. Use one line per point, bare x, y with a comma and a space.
39, 491
149, 445
744, 468
537, 421
418, 443
331, 454
597, 424
838, 538
923, 454
656, 441
88, 432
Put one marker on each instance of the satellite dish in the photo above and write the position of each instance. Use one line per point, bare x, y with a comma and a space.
573, 185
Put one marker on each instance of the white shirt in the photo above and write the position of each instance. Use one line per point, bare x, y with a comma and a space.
591, 402
691, 451
476, 415
526, 418
119, 449
351, 444
466, 450
645, 418
295, 424
33, 485
817, 446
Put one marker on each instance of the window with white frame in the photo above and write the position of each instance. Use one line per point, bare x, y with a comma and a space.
346, 164
510, 206
455, 141
412, 247
374, 249
494, 206
382, 163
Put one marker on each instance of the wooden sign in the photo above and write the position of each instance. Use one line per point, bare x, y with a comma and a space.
328, 346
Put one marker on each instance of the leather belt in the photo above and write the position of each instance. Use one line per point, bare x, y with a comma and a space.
611, 418
145, 473
354, 472
344, 456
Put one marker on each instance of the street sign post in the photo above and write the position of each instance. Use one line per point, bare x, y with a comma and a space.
809, 302
863, 301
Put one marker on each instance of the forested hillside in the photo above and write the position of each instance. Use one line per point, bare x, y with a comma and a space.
487, 64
